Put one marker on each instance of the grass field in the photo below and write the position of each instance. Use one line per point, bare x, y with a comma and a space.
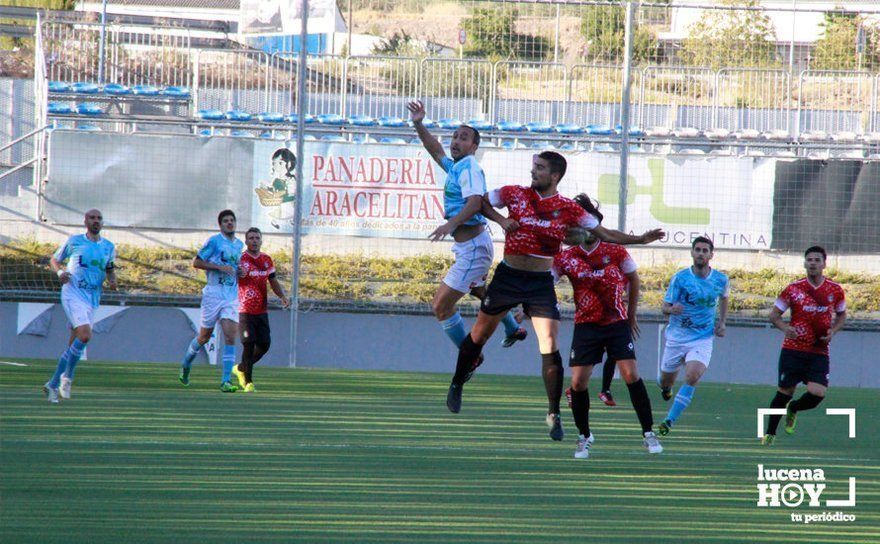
343, 456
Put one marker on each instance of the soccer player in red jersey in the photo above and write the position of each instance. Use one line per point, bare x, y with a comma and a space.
818, 311
606, 296
544, 218
255, 270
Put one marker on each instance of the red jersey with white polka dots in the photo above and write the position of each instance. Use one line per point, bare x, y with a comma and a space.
599, 280
252, 287
543, 220
812, 313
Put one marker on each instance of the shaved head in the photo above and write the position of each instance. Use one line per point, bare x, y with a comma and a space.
94, 221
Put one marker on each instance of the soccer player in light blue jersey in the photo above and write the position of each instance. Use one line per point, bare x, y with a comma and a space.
90, 259
219, 259
691, 303
462, 202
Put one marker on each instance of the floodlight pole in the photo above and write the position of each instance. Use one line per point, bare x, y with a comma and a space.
297, 224
625, 113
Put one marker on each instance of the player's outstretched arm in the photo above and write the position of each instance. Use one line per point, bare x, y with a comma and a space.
616, 237
432, 145
489, 212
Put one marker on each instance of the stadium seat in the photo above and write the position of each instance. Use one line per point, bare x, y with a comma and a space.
819, 155
145, 90
115, 89
511, 144
850, 154
511, 126
241, 134
428, 123
89, 109
569, 128
238, 115
777, 134
874, 157
206, 132
363, 139
691, 151
333, 138
542, 145
59, 87
389, 121
488, 144
785, 154
686, 132
85, 88
844, 136
604, 148
268, 135
748, 134
309, 137
633, 131
599, 130
658, 132
176, 92
88, 128
751, 152
540, 127
269, 117
449, 123
717, 133
814, 136
480, 124
292, 118
388, 140
569, 146
59, 108
362, 121
871, 137
331, 119
721, 152
211, 115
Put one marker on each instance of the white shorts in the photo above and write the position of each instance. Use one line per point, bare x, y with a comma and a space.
473, 259
675, 355
79, 312
216, 307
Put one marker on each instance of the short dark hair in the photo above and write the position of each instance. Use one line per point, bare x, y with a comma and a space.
703, 240
588, 204
253, 229
816, 249
558, 164
476, 133
223, 214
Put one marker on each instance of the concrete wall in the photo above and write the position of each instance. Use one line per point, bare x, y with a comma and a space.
416, 343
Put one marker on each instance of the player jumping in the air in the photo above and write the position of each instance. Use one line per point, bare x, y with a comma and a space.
90, 259
462, 202
690, 303
255, 270
606, 296
818, 311
544, 217
219, 259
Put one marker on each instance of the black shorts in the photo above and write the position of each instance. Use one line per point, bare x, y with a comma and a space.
254, 328
801, 367
511, 287
590, 342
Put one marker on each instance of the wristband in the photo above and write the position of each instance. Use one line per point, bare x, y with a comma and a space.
61, 272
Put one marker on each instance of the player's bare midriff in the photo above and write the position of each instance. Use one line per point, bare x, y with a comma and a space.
467, 232
529, 263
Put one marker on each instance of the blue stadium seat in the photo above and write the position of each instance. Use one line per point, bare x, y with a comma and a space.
480, 124
59, 87
292, 118
362, 121
115, 89
89, 128
429, 123
569, 128
691, 151
309, 137
59, 108
539, 126
569, 146
488, 144
333, 138
89, 109
388, 121
331, 119
415, 141
542, 145
605, 148
389, 140
269, 117
633, 131
449, 123
241, 134
238, 115
206, 132
511, 126
145, 90
363, 139
267, 135
510, 144
175, 91
211, 115
85, 88
599, 130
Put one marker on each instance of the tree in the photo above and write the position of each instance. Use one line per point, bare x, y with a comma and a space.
491, 33
731, 38
836, 49
604, 29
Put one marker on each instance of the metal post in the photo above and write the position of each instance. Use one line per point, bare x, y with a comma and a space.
625, 112
349, 25
297, 225
556, 37
101, 43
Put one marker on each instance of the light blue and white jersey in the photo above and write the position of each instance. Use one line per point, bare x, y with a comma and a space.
222, 251
87, 263
464, 178
699, 296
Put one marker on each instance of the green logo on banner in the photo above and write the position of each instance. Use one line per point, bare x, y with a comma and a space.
609, 192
